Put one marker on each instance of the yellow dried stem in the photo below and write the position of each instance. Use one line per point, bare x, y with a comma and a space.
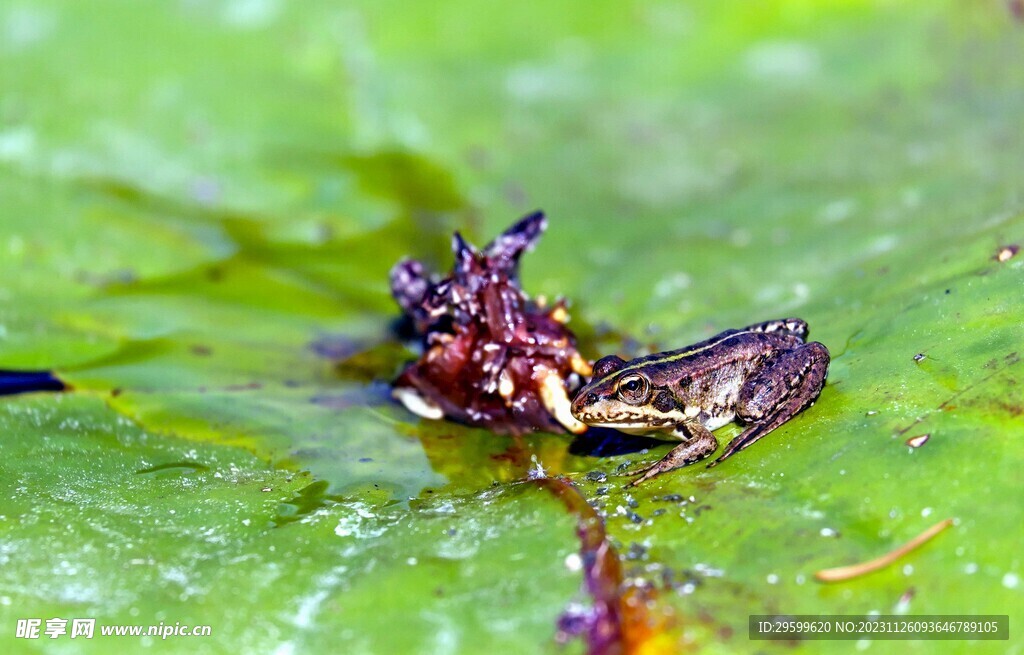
842, 573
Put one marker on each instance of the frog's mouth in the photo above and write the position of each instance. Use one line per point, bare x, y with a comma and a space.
630, 425
629, 428
618, 416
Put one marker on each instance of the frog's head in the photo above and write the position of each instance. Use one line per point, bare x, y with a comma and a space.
621, 396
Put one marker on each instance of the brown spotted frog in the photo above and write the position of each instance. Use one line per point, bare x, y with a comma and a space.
762, 375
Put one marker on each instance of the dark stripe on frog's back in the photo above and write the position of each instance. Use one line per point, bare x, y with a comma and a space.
691, 355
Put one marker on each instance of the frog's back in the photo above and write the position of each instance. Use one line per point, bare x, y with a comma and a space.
706, 378
724, 350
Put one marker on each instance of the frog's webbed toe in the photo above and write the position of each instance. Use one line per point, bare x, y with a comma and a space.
698, 443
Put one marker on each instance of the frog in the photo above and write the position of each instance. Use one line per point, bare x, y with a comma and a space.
761, 375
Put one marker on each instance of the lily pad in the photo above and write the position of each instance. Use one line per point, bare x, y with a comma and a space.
200, 204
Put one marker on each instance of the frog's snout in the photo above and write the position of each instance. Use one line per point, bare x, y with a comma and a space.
581, 401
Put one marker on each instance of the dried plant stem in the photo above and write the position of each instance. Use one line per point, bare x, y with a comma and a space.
841, 573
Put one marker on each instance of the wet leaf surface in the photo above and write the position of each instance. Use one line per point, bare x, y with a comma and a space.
196, 236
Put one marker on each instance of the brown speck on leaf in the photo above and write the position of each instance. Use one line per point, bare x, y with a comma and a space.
201, 351
251, 386
1006, 253
1017, 9
1013, 409
919, 440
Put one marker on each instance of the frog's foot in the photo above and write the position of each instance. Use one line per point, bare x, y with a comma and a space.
778, 394
698, 443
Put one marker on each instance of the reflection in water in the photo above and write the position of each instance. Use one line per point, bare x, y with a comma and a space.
605, 442
180, 468
309, 499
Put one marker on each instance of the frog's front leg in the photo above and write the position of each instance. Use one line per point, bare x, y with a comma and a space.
777, 393
698, 443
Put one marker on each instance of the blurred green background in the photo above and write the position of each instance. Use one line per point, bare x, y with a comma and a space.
199, 204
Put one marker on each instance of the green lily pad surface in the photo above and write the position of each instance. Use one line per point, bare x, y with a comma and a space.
199, 205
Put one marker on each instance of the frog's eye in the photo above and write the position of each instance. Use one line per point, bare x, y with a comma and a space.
634, 389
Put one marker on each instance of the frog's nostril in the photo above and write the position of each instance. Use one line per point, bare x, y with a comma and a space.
591, 398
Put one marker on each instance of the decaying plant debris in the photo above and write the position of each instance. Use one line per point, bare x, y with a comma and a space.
492, 357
